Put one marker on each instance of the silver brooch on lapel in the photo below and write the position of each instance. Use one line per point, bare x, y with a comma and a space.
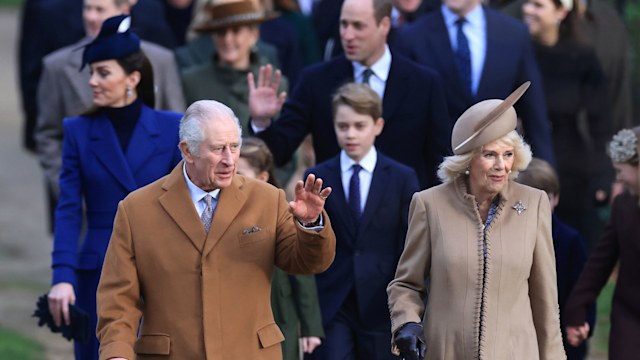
519, 207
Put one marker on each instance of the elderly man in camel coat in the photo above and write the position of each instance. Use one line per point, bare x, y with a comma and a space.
188, 271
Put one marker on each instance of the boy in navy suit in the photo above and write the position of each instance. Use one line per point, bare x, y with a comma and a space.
369, 214
567, 243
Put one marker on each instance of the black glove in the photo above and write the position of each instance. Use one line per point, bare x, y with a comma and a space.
80, 328
410, 341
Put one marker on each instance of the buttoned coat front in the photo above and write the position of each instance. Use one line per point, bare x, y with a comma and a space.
499, 306
201, 296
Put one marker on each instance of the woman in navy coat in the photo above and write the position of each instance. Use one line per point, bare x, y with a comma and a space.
119, 146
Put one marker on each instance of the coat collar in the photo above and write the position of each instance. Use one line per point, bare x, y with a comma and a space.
107, 148
144, 139
379, 185
337, 200
230, 202
177, 203
469, 201
395, 88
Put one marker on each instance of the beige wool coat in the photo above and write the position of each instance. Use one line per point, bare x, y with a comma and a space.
515, 314
201, 296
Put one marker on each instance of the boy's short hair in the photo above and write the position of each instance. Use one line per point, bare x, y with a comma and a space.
540, 175
360, 98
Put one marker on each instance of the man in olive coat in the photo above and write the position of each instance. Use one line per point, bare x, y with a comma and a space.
188, 271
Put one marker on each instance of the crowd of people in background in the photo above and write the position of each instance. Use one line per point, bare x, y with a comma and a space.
377, 100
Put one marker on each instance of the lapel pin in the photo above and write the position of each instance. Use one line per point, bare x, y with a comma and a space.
519, 207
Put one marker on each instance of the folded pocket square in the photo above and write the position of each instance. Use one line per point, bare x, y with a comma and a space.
254, 229
79, 330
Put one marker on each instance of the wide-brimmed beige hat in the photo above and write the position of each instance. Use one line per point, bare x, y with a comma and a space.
485, 122
232, 13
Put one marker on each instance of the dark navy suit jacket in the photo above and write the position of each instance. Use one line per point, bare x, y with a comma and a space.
47, 25
96, 175
367, 253
509, 62
417, 129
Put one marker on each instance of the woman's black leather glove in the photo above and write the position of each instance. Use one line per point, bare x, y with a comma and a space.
410, 342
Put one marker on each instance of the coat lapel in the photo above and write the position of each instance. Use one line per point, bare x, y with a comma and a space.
176, 201
338, 201
143, 140
379, 184
106, 148
395, 88
343, 71
230, 202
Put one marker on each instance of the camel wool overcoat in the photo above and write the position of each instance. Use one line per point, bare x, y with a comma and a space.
170, 291
494, 299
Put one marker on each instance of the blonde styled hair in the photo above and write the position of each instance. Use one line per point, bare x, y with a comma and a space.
452, 166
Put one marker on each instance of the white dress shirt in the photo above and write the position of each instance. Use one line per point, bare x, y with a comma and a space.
368, 164
197, 194
378, 80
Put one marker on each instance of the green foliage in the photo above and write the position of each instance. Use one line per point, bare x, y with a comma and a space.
10, 3
16, 346
632, 12
600, 340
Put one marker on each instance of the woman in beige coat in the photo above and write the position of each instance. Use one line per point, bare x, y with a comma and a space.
479, 248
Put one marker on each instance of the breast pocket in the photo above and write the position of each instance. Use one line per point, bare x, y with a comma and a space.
255, 245
251, 239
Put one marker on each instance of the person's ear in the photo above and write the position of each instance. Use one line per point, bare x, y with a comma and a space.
554, 200
561, 14
263, 176
133, 80
186, 152
378, 125
385, 25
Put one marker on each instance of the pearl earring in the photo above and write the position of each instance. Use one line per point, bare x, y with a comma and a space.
129, 92
466, 172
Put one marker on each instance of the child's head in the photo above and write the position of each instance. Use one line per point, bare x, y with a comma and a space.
540, 175
357, 119
256, 160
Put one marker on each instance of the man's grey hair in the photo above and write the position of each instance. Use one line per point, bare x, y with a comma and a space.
196, 114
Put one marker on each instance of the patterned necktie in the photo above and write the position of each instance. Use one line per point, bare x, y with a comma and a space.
207, 214
366, 75
354, 192
463, 56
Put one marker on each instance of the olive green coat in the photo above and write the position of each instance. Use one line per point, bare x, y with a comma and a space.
294, 301
214, 81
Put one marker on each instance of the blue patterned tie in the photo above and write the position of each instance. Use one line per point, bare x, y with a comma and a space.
354, 192
207, 214
463, 56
